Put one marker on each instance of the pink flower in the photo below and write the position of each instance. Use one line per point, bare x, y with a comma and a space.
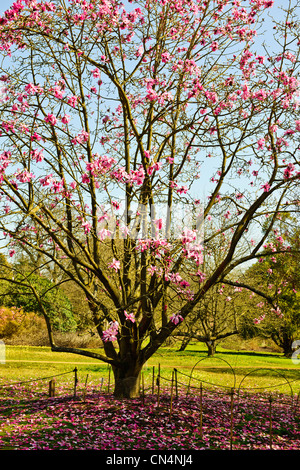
72, 101
139, 51
188, 236
158, 223
87, 226
201, 276
129, 316
31, 88
289, 171
261, 143
214, 46
266, 187
85, 178
182, 189
165, 57
260, 59
96, 73
65, 119
51, 119
37, 155
176, 318
24, 176
115, 265
111, 333
35, 136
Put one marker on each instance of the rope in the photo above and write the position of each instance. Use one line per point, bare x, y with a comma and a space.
36, 380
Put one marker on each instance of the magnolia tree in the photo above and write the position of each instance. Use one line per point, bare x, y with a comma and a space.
133, 138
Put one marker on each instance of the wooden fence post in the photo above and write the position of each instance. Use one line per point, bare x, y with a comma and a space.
171, 401
153, 379
158, 386
176, 383
75, 381
231, 417
143, 389
270, 416
108, 385
52, 388
201, 411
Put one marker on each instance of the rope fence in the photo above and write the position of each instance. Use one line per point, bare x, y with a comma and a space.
181, 384
234, 394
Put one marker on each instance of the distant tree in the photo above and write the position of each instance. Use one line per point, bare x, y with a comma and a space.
213, 319
278, 278
23, 288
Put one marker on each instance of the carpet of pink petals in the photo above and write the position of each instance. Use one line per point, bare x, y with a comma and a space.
33, 421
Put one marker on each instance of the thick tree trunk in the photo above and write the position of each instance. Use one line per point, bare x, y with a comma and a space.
127, 380
211, 347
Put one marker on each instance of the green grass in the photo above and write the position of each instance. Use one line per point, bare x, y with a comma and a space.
256, 371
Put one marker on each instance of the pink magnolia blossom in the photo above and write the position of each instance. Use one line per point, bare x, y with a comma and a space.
266, 187
116, 265
158, 223
82, 137
65, 119
72, 101
176, 318
96, 73
35, 136
201, 276
111, 333
288, 172
188, 236
261, 143
87, 226
47, 180
31, 88
24, 176
51, 119
182, 190
129, 316
37, 155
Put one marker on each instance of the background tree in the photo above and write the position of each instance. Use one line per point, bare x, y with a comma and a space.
29, 289
278, 278
109, 111
213, 319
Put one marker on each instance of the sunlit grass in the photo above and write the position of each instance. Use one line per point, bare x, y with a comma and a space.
256, 371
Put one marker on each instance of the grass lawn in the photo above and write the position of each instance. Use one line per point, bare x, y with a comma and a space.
251, 370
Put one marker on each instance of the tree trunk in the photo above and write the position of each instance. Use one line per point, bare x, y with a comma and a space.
285, 341
184, 343
127, 380
211, 346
